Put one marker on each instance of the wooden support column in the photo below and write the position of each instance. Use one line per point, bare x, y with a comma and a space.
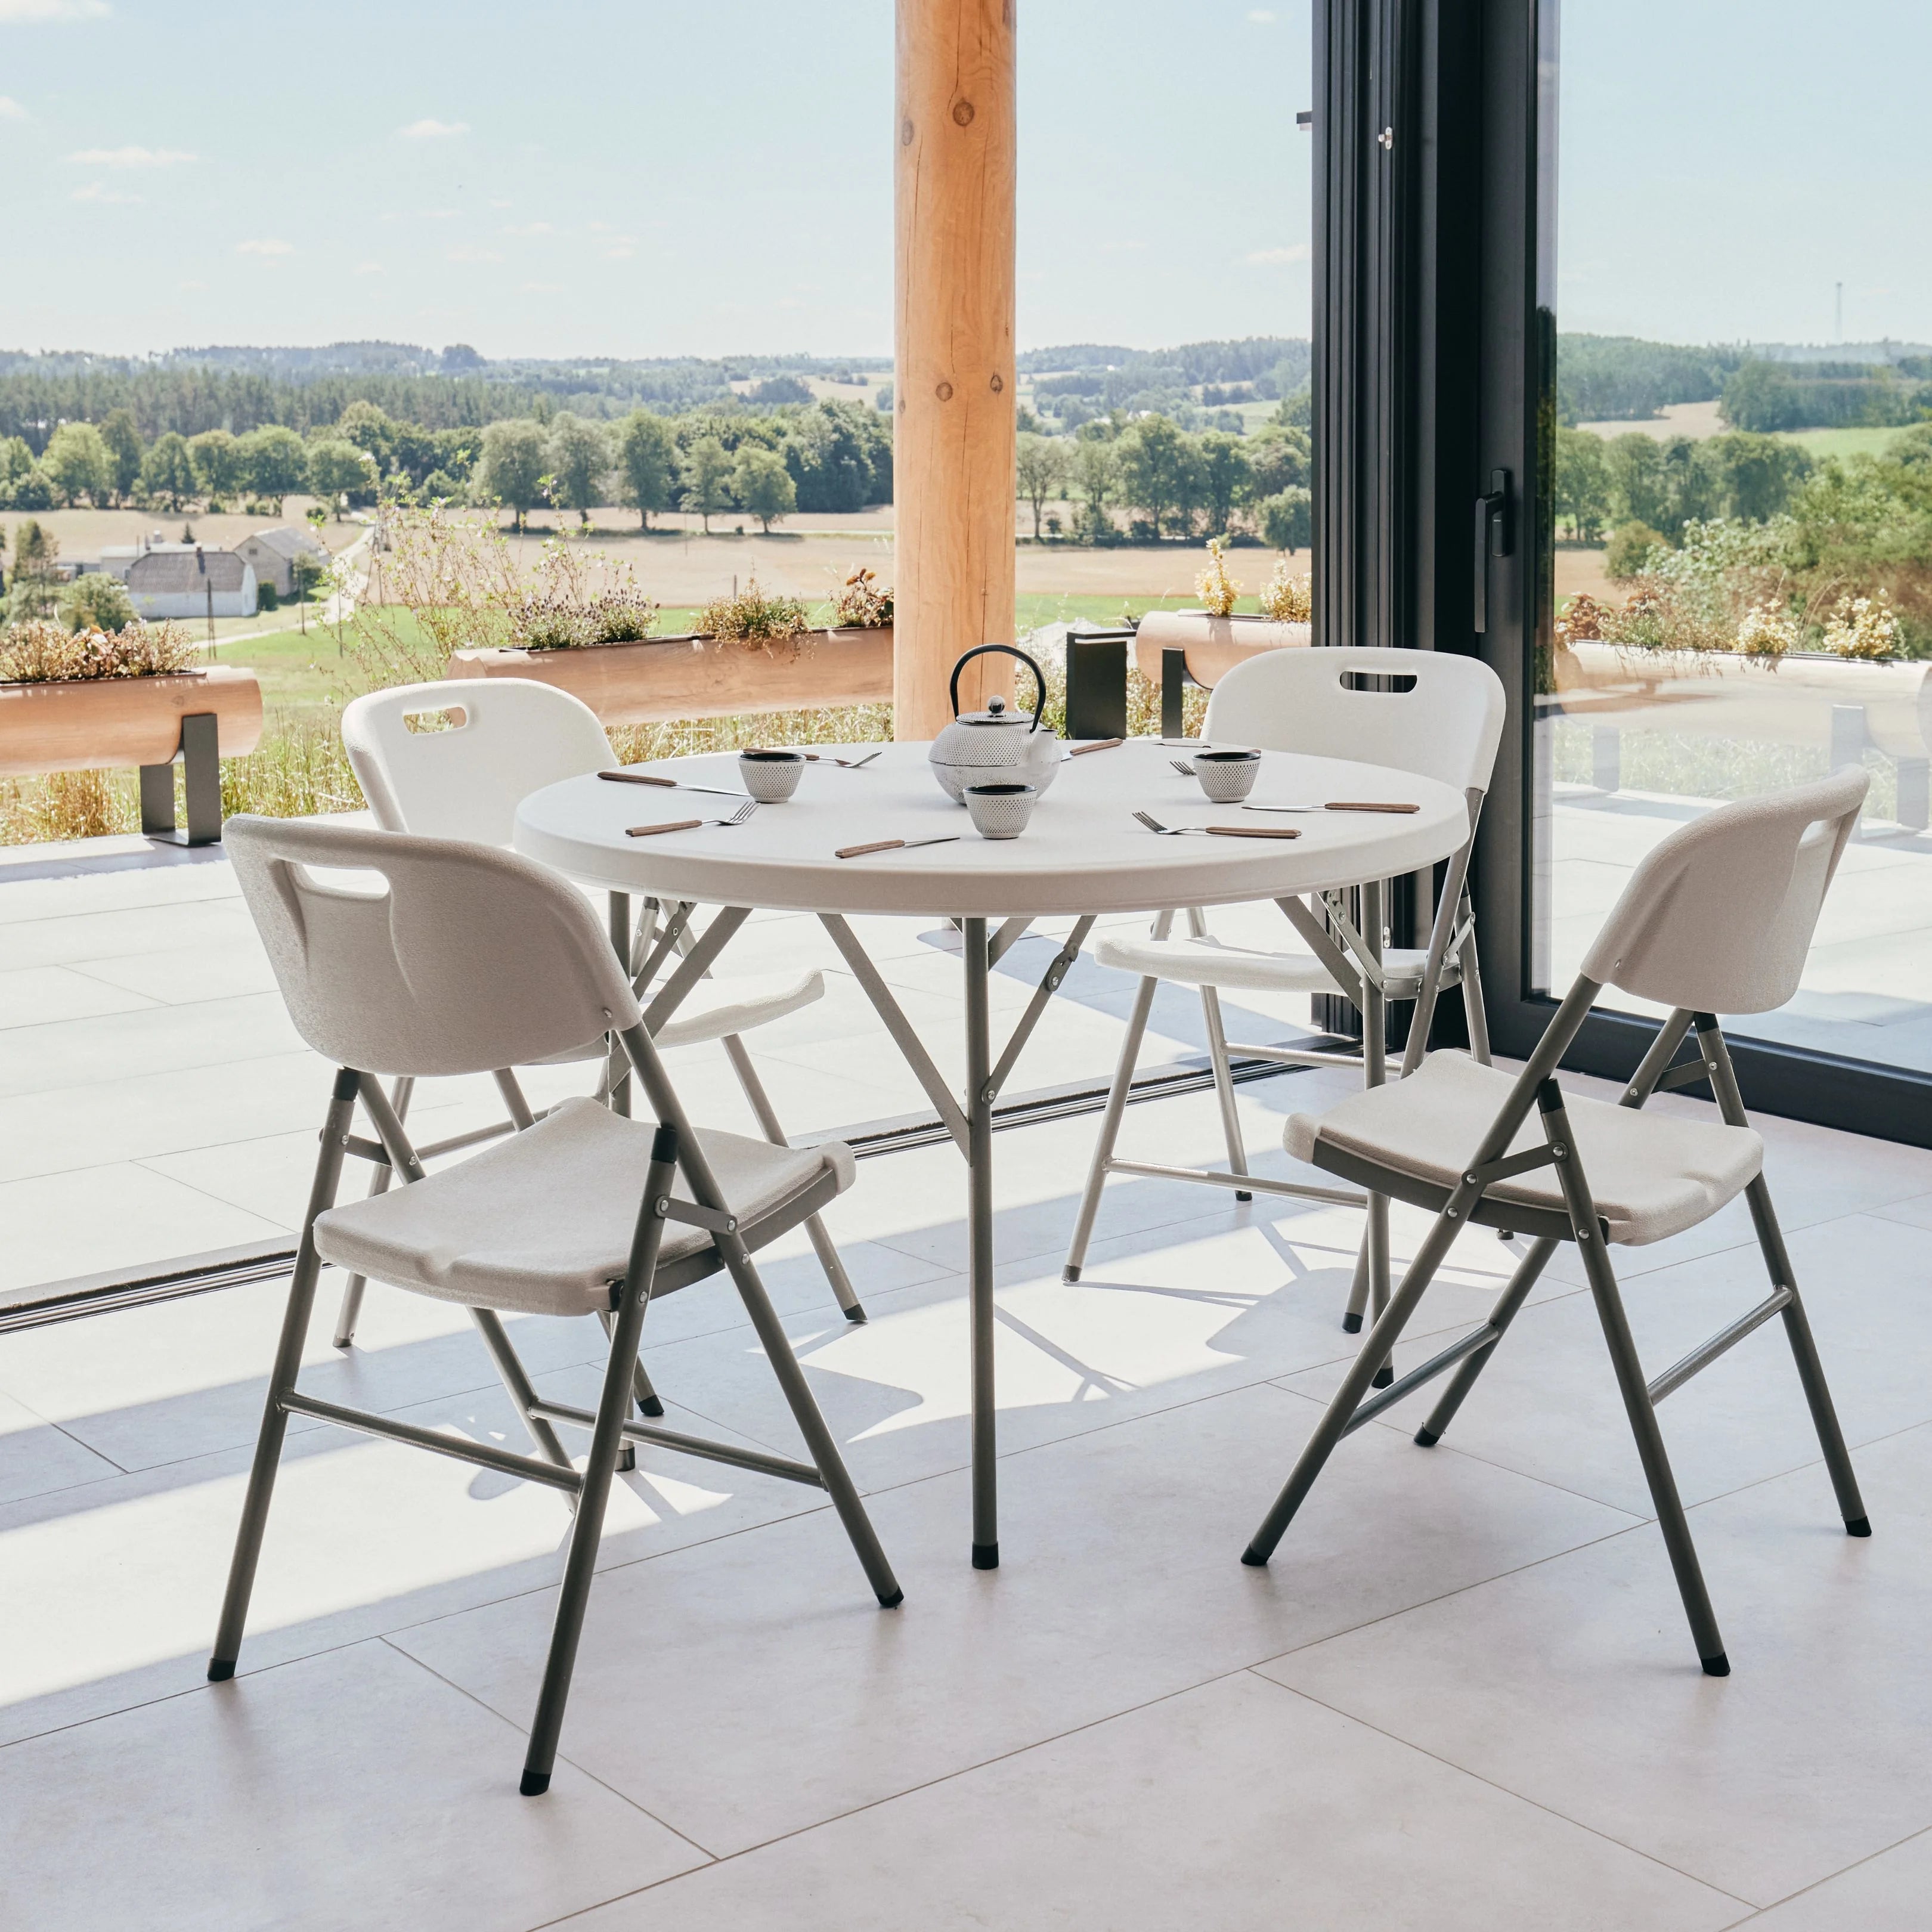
952, 460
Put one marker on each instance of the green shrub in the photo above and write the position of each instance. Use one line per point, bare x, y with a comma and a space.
96, 602
1631, 544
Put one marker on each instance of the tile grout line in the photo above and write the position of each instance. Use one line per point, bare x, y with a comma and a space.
1923, 1831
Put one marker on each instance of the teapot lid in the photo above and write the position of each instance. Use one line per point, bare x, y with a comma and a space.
996, 713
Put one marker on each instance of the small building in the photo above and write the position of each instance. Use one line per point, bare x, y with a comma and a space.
191, 583
272, 554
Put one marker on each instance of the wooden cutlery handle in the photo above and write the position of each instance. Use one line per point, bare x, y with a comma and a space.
1342, 805
859, 851
646, 831
1255, 831
637, 778
1101, 745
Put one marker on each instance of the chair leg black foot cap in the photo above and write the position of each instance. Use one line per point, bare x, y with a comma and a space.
1384, 1377
1254, 1560
855, 1313
1070, 1273
535, 1784
1351, 1325
1426, 1438
654, 1407
220, 1670
1719, 1665
985, 1556
1857, 1525
893, 1602
1240, 1195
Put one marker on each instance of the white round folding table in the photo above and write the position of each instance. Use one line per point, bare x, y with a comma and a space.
1083, 857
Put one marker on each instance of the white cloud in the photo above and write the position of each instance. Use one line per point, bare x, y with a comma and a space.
95, 191
10, 109
17, 12
1272, 258
464, 252
532, 228
1261, 17
368, 268
622, 252
433, 130
269, 247
129, 157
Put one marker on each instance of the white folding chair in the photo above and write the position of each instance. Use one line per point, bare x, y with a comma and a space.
1717, 919
502, 738
468, 959
1424, 712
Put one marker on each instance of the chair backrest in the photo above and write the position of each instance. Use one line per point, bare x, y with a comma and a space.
1719, 916
516, 736
463, 959
1446, 725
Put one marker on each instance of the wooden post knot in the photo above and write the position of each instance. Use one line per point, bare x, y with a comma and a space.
962, 113
944, 392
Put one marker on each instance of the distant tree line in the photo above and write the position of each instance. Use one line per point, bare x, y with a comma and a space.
1660, 485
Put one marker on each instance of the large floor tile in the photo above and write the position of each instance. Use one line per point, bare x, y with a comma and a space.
35, 1456
114, 1585
1886, 1893
35, 996
66, 1054
1235, 1806
1574, 1682
353, 1790
792, 1698
1548, 1404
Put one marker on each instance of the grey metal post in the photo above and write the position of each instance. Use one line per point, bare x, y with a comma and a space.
1587, 1231
201, 776
1778, 1264
1217, 1053
1514, 1296
979, 1246
1375, 1072
820, 1443
606, 1438
350, 1312
282, 1379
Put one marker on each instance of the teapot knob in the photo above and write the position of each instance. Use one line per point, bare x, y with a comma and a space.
996, 705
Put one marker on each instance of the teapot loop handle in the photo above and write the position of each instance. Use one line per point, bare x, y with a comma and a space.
1038, 679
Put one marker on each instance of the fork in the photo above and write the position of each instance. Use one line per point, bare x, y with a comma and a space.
738, 817
1219, 831
1181, 765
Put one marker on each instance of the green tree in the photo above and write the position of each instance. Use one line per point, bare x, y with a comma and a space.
647, 463
1758, 474
1630, 549
1156, 468
1225, 472
1094, 477
1640, 491
366, 427
707, 477
762, 485
15, 460
274, 462
1288, 518
580, 461
35, 585
1279, 458
511, 471
167, 470
77, 464
96, 602
1040, 466
1582, 491
35, 491
219, 469
122, 436
337, 470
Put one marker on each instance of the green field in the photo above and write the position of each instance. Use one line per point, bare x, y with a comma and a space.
1842, 442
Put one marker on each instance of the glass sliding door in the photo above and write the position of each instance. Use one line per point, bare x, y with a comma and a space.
1734, 527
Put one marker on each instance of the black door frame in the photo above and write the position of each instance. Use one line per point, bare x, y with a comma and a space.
1434, 337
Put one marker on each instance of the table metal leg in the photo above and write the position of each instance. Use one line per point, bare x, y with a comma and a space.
979, 1245
1375, 1069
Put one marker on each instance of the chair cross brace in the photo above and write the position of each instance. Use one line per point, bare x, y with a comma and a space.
1701, 1356
698, 1446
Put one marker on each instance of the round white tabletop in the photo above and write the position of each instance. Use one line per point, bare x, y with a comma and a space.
1082, 853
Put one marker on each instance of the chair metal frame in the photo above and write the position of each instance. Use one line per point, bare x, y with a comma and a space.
1537, 1087
675, 1148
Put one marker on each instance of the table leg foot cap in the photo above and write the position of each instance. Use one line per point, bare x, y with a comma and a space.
1719, 1665
985, 1556
855, 1313
1071, 1272
1351, 1325
1254, 1559
220, 1670
1426, 1438
535, 1783
1384, 1377
1858, 1526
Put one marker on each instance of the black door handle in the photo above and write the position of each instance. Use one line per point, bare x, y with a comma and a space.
1496, 536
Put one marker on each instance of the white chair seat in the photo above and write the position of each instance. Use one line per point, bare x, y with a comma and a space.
1212, 962
541, 1223
1652, 1175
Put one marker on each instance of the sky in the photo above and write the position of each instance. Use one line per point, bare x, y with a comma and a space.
619, 177
635, 178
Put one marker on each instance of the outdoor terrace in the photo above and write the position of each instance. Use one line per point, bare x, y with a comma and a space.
1462, 1697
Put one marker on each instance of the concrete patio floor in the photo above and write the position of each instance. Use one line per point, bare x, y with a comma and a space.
1462, 1697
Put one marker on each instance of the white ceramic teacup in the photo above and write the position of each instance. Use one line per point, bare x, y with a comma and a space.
1226, 776
1000, 811
771, 777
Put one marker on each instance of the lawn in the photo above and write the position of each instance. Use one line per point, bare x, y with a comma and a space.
1843, 442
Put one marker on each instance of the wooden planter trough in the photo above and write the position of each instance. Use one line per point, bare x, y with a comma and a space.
1843, 706
1174, 648
668, 678
103, 723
